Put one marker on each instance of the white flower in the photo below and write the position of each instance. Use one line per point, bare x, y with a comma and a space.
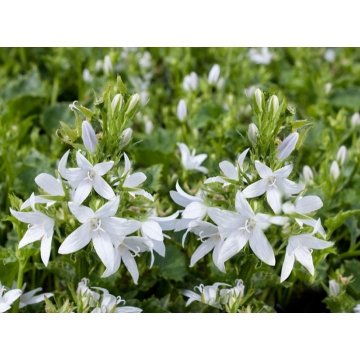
253, 134
341, 155
260, 57
195, 208
287, 146
231, 172
214, 74
335, 170
357, 308
30, 297
308, 174
132, 181
190, 81
329, 55
86, 75
108, 304
41, 228
274, 184
299, 249
181, 110
101, 227
145, 60
8, 297
211, 240
230, 296
89, 137
242, 226
126, 250
86, 177
190, 160
355, 120
334, 287
328, 87
49, 184
208, 295
86, 295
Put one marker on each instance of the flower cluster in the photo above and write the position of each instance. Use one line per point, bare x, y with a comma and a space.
257, 195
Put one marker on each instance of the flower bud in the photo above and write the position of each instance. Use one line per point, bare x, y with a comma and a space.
253, 133
88, 135
125, 138
214, 74
334, 287
287, 146
355, 120
132, 105
258, 101
341, 155
181, 110
190, 81
86, 75
108, 68
116, 104
273, 105
308, 174
328, 87
334, 170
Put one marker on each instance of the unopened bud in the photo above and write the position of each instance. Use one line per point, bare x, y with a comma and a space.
214, 74
108, 68
259, 101
253, 133
341, 155
287, 146
308, 174
132, 105
273, 105
355, 120
334, 170
125, 138
88, 135
190, 81
334, 287
116, 104
181, 110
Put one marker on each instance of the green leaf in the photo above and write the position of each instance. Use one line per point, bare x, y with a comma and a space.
174, 265
120, 85
85, 111
302, 136
67, 131
153, 177
348, 98
352, 267
335, 222
56, 114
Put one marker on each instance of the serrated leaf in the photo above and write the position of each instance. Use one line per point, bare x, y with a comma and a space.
335, 222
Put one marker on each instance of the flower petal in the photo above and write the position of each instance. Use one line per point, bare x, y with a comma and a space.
10, 296
284, 172
34, 233
232, 245
255, 189
108, 209
185, 154
76, 240
45, 249
216, 256
50, 184
303, 256
263, 170
313, 242
82, 213
103, 167
273, 197
127, 164
89, 136
130, 264
229, 170
242, 158
261, 247
82, 162
287, 146
242, 206
201, 251
103, 188
104, 248
226, 218
287, 267
194, 210
119, 226
28, 217
308, 204
82, 191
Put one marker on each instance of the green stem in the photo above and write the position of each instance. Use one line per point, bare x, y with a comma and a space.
20, 279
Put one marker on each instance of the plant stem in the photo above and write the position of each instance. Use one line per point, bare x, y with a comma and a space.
20, 279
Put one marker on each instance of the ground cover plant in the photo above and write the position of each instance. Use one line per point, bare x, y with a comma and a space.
179, 180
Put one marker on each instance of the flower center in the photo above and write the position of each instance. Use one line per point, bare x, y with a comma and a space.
90, 175
272, 181
96, 225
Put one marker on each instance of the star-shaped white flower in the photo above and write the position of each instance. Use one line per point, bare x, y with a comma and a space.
242, 226
299, 249
30, 298
41, 228
86, 177
8, 297
191, 161
230, 171
211, 240
275, 184
101, 227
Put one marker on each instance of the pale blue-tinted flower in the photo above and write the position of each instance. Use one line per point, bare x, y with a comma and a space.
181, 110
190, 81
335, 170
287, 146
214, 74
263, 56
89, 137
